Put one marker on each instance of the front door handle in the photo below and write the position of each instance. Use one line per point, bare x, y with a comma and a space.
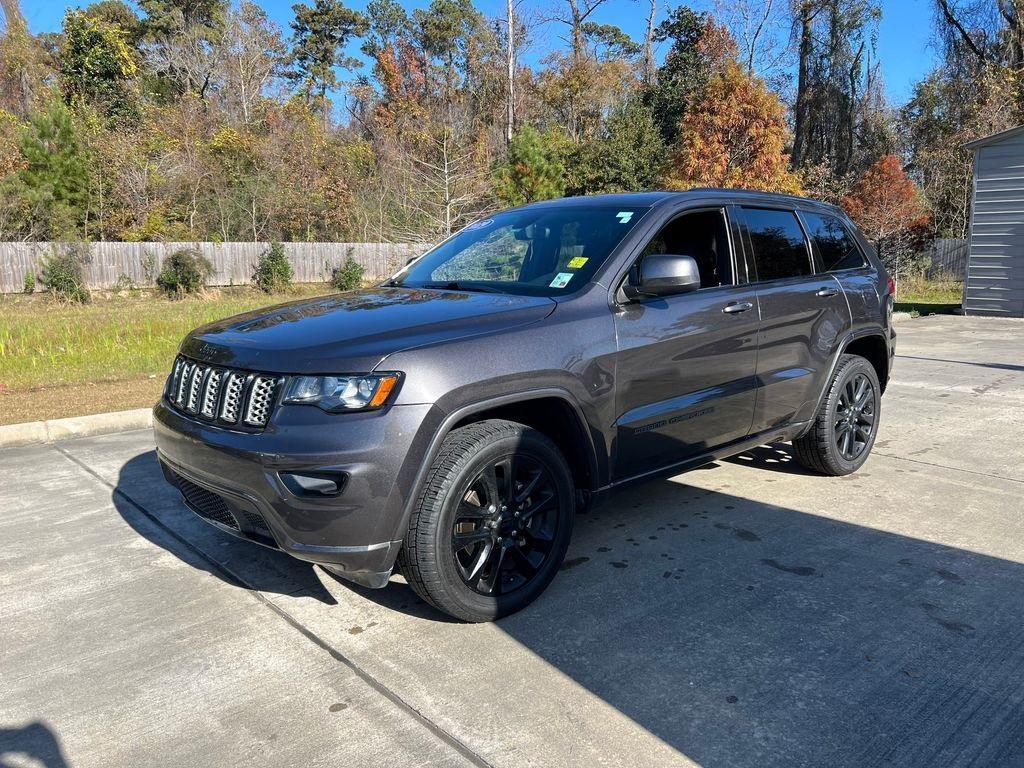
826, 292
736, 307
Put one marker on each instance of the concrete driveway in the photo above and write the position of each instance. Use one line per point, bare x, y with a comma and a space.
747, 614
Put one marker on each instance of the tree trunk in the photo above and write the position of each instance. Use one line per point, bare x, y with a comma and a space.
511, 95
801, 127
576, 22
964, 35
649, 68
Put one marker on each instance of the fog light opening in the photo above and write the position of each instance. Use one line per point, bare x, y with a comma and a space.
315, 484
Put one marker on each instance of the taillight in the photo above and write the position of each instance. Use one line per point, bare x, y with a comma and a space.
892, 285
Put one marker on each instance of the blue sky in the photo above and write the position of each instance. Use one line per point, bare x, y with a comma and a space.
903, 43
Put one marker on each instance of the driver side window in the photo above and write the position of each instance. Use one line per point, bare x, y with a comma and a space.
702, 235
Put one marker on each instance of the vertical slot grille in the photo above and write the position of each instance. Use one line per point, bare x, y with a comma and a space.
221, 395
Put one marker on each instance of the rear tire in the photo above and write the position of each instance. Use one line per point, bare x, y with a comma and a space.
493, 522
844, 428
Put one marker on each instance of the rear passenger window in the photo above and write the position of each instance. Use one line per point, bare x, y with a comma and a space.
778, 243
836, 247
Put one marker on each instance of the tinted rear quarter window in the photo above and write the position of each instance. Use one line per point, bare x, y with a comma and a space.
835, 245
778, 243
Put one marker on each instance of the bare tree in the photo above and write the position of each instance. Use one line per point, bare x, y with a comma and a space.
836, 39
510, 96
649, 67
574, 16
974, 33
760, 29
806, 11
253, 54
21, 69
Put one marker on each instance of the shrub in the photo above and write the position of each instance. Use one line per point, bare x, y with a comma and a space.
124, 283
29, 286
185, 271
149, 271
273, 271
348, 276
62, 274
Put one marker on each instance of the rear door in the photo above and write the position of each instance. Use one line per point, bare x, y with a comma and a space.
837, 252
803, 315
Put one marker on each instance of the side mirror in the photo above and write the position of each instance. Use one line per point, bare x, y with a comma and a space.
665, 275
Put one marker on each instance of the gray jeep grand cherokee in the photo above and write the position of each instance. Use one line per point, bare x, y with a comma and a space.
450, 421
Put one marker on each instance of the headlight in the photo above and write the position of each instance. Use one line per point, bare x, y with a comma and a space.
341, 393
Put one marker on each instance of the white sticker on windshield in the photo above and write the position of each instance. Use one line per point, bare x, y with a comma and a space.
561, 280
479, 224
624, 216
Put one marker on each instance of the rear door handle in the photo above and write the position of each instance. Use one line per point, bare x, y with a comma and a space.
736, 307
823, 292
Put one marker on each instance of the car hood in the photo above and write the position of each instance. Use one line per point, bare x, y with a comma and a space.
352, 332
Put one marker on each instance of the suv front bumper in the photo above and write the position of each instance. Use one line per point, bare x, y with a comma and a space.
234, 481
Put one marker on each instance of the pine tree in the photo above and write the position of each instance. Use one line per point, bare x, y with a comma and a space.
54, 174
532, 170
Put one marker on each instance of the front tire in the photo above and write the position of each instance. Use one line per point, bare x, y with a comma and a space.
493, 522
844, 428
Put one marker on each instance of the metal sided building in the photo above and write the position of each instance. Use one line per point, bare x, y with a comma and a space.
994, 283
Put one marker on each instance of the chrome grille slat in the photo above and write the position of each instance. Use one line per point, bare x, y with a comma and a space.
261, 397
222, 395
192, 405
186, 375
232, 397
210, 392
172, 386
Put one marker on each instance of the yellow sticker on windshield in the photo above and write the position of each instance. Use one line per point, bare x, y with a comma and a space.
576, 262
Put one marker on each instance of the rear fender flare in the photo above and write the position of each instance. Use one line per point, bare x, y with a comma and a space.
841, 348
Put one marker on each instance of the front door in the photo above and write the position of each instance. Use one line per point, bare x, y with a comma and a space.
685, 370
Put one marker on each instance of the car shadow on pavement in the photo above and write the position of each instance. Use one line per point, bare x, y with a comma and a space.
748, 634
738, 632
32, 744
775, 457
156, 511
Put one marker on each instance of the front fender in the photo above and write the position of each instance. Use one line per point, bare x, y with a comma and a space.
442, 421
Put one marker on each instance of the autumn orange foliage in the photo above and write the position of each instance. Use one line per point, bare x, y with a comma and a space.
734, 136
885, 201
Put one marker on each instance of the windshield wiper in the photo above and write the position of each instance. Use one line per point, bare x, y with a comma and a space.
454, 285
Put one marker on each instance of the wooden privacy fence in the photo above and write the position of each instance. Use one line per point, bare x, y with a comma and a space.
111, 265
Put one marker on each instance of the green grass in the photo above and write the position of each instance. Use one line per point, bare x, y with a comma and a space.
44, 343
925, 297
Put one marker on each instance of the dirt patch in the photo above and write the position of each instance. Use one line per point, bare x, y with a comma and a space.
17, 406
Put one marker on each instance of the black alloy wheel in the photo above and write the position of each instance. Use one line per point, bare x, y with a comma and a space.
505, 525
845, 425
855, 417
492, 523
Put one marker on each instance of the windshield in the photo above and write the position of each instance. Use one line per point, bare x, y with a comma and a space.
534, 251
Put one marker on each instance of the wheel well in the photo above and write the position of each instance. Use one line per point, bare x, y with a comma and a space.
557, 419
872, 348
